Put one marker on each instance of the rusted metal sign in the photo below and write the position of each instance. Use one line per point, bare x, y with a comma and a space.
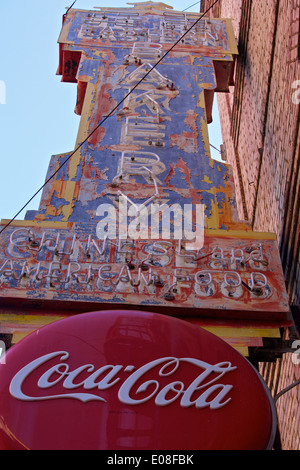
226, 277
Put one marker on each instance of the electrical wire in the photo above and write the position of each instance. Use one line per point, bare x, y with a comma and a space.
191, 6
106, 117
70, 7
287, 389
215, 148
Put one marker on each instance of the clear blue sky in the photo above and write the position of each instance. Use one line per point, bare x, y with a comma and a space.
38, 119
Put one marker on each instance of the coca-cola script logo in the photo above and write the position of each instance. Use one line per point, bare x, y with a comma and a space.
131, 380
212, 395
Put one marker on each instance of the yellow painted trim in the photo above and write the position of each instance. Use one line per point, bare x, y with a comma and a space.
242, 350
32, 323
241, 234
18, 337
68, 194
221, 331
228, 332
231, 37
31, 223
205, 135
69, 185
85, 114
27, 320
213, 220
21, 335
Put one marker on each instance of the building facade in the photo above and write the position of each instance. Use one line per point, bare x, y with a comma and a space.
260, 128
139, 216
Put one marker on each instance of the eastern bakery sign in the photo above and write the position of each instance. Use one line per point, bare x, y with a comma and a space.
131, 380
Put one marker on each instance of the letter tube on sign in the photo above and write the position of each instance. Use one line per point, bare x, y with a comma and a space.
125, 389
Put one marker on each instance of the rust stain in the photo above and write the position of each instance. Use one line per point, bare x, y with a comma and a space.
170, 175
191, 121
186, 141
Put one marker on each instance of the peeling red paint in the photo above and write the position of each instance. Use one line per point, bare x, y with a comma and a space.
170, 175
97, 137
191, 121
186, 141
104, 102
183, 167
91, 171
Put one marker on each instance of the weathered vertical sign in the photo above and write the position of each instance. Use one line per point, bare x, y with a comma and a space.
141, 214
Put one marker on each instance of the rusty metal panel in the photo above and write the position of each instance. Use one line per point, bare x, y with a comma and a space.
163, 118
230, 277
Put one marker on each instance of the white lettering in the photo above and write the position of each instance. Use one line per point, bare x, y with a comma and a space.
105, 382
296, 354
107, 226
201, 402
136, 389
126, 388
17, 382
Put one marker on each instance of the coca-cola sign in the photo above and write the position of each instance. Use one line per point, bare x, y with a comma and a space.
166, 367
131, 380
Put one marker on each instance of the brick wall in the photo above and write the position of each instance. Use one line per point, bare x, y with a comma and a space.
260, 129
278, 376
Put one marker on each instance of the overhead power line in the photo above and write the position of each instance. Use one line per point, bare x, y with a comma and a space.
70, 7
106, 117
218, 150
191, 6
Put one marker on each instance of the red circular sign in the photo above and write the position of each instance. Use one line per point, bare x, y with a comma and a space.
129, 380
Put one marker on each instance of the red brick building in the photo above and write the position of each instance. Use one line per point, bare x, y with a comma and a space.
260, 129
